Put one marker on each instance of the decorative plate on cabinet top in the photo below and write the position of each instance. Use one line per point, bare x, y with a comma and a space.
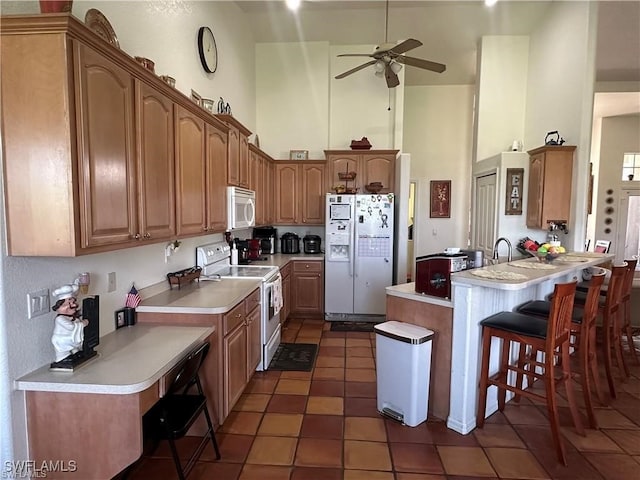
96, 21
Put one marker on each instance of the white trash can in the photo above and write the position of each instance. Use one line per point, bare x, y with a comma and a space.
403, 365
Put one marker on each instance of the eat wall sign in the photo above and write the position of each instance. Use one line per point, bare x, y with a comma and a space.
513, 204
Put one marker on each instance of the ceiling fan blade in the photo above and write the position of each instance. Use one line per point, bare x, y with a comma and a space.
392, 78
420, 63
405, 46
354, 70
354, 55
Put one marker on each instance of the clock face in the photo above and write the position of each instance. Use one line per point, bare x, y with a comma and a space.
207, 49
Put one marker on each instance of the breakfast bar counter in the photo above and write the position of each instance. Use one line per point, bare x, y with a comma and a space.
481, 292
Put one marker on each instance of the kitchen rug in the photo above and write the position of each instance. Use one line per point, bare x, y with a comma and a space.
294, 356
353, 326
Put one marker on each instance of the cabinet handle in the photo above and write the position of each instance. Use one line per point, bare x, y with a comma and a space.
205, 228
319, 275
306, 266
137, 236
238, 315
147, 235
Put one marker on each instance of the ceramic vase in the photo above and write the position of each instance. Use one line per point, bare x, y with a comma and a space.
55, 6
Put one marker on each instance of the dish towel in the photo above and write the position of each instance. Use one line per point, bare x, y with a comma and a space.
276, 294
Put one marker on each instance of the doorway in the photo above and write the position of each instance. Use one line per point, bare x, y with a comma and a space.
411, 261
628, 240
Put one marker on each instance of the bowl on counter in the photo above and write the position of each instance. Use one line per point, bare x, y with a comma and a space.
547, 257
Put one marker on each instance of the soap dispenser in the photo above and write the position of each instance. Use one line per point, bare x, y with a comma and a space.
234, 254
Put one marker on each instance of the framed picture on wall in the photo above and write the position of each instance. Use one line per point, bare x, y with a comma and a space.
440, 195
513, 200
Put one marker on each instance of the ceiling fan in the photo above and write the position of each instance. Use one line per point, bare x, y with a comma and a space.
388, 57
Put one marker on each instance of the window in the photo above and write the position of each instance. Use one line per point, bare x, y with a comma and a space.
631, 166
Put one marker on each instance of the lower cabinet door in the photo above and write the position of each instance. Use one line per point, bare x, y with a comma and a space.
235, 360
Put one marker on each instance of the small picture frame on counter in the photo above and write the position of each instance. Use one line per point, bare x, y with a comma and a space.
125, 317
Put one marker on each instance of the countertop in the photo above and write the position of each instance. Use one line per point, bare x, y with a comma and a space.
529, 276
129, 360
214, 297
408, 291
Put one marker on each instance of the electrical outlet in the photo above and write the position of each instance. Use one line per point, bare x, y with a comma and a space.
37, 303
111, 282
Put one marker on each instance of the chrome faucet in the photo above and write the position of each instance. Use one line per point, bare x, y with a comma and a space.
495, 248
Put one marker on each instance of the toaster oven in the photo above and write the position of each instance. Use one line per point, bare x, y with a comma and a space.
433, 273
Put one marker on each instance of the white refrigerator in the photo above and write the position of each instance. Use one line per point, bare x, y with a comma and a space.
358, 255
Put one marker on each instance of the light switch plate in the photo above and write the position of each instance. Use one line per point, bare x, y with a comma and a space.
38, 303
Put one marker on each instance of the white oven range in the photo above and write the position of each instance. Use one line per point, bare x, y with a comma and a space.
214, 260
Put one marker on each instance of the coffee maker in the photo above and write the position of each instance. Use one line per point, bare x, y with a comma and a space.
268, 237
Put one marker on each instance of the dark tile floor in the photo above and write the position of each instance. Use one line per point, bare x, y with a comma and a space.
323, 425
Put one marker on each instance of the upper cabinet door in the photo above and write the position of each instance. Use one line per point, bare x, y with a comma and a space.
312, 193
217, 179
378, 168
156, 180
286, 196
190, 173
536, 191
233, 159
106, 171
341, 164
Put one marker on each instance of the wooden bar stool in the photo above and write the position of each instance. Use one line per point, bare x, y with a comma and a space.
611, 310
627, 287
583, 329
548, 336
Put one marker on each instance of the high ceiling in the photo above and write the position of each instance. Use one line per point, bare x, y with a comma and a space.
449, 30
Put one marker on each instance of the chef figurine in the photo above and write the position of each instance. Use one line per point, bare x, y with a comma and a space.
68, 330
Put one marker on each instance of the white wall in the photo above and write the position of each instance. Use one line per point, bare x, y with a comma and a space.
563, 47
169, 40
301, 106
502, 86
437, 134
292, 92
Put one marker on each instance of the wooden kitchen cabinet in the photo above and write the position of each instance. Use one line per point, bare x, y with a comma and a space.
216, 190
550, 181
259, 181
238, 152
370, 166
285, 272
190, 173
100, 155
156, 179
235, 360
307, 288
299, 193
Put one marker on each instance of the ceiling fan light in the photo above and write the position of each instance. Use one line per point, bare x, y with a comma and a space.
379, 66
378, 73
396, 67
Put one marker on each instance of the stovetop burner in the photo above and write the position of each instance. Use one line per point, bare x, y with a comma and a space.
214, 260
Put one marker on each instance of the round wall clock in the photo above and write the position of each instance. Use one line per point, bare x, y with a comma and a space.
207, 49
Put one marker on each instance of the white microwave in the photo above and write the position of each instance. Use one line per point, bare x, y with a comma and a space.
241, 208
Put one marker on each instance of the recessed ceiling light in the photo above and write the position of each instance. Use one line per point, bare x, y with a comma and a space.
488, 3
293, 4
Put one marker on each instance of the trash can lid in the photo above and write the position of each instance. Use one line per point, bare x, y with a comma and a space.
404, 332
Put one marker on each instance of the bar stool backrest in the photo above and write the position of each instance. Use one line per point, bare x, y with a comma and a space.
627, 283
559, 323
188, 373
614, 290
590, 311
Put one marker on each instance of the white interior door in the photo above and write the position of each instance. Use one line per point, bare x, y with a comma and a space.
485, 213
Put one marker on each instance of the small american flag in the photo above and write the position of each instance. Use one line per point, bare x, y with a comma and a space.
133, 298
